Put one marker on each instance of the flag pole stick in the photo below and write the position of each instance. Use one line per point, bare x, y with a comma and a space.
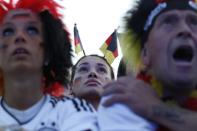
80, 42
83, 50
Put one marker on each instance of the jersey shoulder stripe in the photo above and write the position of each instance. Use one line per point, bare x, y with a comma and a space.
79, 104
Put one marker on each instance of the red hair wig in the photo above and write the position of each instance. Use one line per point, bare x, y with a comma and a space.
36, 6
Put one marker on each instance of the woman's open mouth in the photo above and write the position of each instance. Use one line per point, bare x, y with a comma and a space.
20, 51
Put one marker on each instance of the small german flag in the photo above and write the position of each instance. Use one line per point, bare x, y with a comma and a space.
77, 41
109, 48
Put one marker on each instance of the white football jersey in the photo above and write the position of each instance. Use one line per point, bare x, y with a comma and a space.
122, 119
56, 114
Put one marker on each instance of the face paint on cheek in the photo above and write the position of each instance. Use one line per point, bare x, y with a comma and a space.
107, 79
77, 80
3, 46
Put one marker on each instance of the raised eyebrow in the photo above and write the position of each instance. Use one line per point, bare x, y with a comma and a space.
101, 64
164, 16
20, 15
8, 24
85, 63
191, 15
170, 16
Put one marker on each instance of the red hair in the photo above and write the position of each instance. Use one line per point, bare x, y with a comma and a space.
36, 6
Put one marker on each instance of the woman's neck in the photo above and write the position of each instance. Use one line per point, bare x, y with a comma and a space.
93, 99
94, 103
22, 91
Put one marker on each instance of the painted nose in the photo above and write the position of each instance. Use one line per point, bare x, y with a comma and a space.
92, 75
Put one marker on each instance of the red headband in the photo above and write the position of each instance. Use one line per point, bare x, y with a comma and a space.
36, 6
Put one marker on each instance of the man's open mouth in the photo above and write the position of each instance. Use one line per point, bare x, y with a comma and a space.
183, 53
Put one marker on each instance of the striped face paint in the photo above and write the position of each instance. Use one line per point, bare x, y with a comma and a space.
107, 79
90, 76
77, 80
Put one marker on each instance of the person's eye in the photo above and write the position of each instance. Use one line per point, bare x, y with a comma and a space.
102, 70
8, 32
169, 20
193, 20
31, 30
83, 69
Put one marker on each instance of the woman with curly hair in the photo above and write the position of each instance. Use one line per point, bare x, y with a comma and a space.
35, 57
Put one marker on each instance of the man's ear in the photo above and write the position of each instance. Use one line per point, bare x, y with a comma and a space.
145, 57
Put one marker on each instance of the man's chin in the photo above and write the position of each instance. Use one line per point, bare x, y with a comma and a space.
182, 85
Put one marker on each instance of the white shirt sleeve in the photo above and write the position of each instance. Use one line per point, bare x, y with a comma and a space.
119, 117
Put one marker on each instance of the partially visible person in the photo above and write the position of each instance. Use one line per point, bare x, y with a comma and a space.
123, 68
35, 55
161, 44
58, 90
89, 75
68, 91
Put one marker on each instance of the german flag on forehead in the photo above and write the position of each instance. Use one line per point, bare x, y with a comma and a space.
109, 48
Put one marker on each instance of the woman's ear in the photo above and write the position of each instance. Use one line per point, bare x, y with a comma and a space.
145, 57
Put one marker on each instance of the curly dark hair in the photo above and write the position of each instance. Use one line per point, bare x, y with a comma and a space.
74, 67
58, 52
